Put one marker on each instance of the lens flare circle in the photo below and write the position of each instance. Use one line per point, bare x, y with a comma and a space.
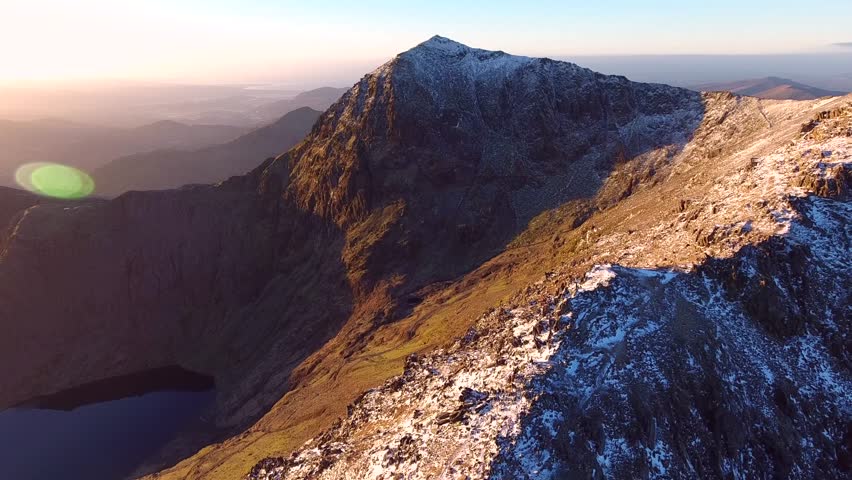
55, 180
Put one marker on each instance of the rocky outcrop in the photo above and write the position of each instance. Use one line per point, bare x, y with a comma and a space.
736, 366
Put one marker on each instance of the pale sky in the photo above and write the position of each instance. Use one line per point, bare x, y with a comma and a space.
220, 41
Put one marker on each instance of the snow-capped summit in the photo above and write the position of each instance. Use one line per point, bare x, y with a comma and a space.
451, 48
440, 60
443, 43
446, 116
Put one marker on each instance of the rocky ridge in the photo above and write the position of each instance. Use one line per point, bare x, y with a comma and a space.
734, 367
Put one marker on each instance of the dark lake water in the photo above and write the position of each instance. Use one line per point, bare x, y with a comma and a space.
101, 440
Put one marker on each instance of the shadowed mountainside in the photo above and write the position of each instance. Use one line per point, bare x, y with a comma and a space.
12, 201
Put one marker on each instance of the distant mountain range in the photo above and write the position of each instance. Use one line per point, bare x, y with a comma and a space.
131, 104
770, 87
89, 146
248, 110
317, 99
162, 169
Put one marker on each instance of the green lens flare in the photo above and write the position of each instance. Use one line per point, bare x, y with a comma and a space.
55, 180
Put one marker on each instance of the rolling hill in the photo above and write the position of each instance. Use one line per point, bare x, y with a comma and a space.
770, 87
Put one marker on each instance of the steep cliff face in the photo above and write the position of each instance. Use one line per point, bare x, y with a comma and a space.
732, 367
471, 144
109, 286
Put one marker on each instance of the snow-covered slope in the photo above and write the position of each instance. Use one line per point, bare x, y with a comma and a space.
737, 366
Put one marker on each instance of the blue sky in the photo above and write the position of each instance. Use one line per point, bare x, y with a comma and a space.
227, 40
575, 27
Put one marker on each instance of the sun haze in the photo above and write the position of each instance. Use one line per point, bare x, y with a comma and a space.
44, 41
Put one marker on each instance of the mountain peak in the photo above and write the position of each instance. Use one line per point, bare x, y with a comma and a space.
440, 59
438, 45
444, 43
